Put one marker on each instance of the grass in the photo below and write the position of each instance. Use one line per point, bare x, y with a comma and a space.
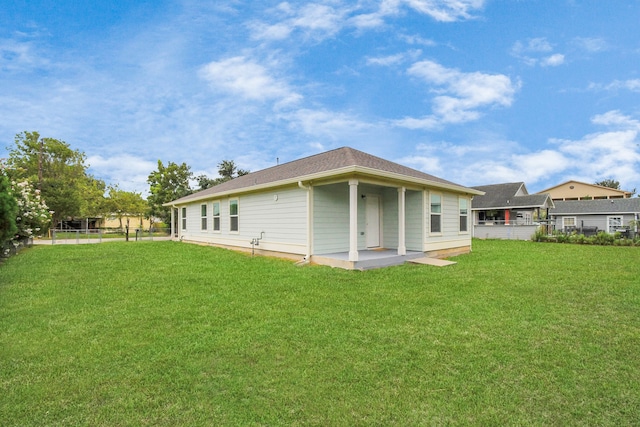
165, 333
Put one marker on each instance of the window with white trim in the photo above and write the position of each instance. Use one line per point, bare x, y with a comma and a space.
463, 204
614, 223
184, 218
233, 215
216, 216
568, 222
203, 217
435, 213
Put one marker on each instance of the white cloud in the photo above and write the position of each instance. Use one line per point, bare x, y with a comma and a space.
248, 79
132, 171
18, 55
553, 60
446, 10
632, 85
386, 60
314, 20
321, 20
536, 51
612, 153
616, 119
591, 44
327, 124
413, 39
460, 94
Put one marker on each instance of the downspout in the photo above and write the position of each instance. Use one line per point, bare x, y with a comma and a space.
307, 257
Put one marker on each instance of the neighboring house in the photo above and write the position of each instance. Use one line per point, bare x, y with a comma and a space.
508, 211
575, 190
135, 222
592, 216
342, 208
105, 222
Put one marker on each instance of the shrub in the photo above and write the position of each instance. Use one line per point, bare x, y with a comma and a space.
603, 238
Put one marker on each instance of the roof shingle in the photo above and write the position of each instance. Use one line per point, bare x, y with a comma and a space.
326, 162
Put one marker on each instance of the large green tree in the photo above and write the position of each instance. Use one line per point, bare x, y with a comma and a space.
611, 183
168, 183
58, 171
228, 170
125, 204
8, 211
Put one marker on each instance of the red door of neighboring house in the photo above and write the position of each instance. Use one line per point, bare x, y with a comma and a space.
506, 217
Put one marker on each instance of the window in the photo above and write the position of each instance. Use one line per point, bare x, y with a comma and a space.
436, 213
233, 215
464, 215
568, 223
216, 216
184, 218
203, 217
614, 223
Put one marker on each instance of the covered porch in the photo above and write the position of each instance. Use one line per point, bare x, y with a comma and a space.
358, 222
366, 259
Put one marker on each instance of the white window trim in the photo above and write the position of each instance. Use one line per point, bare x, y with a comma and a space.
183, 218
460, 199
236, 215
205, 217
575, 222
431, 194
214, 216
612, 230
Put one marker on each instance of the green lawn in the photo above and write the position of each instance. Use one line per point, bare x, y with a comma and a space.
167, 333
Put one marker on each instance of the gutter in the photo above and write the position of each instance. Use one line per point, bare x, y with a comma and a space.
328, 174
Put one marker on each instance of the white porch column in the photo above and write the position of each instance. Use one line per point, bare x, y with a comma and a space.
353, 220
402, 248
173, 223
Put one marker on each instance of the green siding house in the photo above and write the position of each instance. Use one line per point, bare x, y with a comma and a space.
343, 207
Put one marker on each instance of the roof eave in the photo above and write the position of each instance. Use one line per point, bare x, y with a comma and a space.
328, 174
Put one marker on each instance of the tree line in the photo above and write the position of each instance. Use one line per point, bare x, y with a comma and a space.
44, 181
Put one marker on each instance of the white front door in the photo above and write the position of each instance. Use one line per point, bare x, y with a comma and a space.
372, 232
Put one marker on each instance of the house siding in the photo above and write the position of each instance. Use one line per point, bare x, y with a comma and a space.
281, 214
390, 219
599, 221
451, 237
414, 212
331, 218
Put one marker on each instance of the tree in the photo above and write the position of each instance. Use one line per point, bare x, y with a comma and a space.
125, 204
168, 183
59, 172
205, 182
228, 170
33, 217
8, 211
611, 183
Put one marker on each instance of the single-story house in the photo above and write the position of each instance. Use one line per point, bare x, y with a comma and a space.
508, 211
576, 190
592, 216
343, 207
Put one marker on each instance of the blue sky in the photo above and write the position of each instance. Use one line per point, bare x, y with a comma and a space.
474, 91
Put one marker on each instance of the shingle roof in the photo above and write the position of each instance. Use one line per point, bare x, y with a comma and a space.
618, 206
496, 195
503, 196
320, 164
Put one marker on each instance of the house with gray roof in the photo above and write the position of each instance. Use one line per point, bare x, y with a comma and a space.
508, 211
343, 207
592, 216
